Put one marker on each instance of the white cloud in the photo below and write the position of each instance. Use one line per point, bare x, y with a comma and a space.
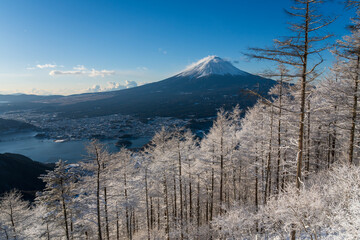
111, 86
94, 88
130, 84
81, 70
57, 72
102, 73
48, 65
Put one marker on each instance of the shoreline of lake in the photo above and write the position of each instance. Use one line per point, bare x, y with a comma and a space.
49, 151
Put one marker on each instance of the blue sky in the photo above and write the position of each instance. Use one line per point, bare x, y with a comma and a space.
73, 46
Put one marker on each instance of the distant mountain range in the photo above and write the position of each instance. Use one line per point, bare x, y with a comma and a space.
198, 91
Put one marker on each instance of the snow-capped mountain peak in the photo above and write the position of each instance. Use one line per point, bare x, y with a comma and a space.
211, 65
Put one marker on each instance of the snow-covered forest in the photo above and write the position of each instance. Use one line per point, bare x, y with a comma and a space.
288, 169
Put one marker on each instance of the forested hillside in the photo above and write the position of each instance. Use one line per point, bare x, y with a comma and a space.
7, 125
20, 172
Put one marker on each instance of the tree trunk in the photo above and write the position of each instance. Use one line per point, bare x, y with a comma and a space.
354, 112
106, 215
47, 231
198, 203
167, 229
268, 168
279, 139
256, 189
207, 205
158, 213
180, 192
308, 140
302, 101
12, 219
190, 198
221, 174
234, 184
152, 217
64, 210
212, 195
117, 224
284, 172
127, 217
175, 202
98, 195
147, 205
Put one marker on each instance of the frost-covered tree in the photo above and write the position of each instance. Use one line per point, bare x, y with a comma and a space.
349, 49
92, 190
327, 207
58, 197
301, 51
14, 216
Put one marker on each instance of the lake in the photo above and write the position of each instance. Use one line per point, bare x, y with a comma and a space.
46, 150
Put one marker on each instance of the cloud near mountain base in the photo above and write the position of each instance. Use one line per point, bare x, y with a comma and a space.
112, 86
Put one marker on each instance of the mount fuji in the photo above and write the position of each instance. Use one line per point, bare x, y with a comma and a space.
198, 91
211, 65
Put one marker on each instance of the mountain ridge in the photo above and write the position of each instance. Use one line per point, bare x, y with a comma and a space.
197, 91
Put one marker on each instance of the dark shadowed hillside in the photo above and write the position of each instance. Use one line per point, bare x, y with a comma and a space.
20, 172
13, 125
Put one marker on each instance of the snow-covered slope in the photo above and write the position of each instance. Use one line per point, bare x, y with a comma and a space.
209, 66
